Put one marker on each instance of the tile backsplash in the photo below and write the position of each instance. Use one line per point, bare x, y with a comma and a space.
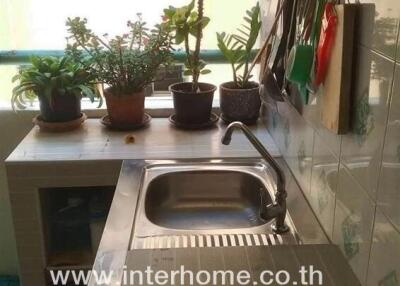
362, 148
389, 183
352, 181
377, 24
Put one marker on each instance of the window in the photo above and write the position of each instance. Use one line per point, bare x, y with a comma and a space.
40, 25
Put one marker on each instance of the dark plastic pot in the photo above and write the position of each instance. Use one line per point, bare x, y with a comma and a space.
63, 108
192, 107
240, 104
125, 109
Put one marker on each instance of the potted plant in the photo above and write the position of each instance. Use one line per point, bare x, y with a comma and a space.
239, 99
126, 64
192, 100
58, 83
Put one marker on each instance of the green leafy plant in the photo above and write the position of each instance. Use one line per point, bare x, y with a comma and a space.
127, 63
186, 22
49, 77
237, 47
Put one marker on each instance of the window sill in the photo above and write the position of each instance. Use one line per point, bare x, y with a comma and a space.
156, 106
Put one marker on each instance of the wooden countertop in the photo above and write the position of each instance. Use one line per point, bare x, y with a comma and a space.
159, 141
324, 257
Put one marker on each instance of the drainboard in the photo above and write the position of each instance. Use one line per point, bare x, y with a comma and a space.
217, 240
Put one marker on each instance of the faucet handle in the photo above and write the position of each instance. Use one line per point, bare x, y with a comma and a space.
270, 211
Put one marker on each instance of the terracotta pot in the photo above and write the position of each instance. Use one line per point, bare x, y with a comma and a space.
192, 107
63, 108
240, 104
125, 108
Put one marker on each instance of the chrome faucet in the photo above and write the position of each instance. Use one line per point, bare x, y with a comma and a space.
276, 210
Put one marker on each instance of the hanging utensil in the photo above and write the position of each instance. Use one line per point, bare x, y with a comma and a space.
326, 41
267, 40
301, 57
269, 86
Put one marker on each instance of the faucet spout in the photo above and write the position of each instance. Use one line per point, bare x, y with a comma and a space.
278, 209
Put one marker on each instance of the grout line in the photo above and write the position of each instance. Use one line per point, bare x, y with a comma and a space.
389, 220
328, 145
397, 51
378, 53
306, 200
310, 191
312, 163
381, 167
337, 187
357, 182
385, 138
371, 237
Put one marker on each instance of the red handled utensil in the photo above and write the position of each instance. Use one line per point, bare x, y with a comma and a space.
326, 40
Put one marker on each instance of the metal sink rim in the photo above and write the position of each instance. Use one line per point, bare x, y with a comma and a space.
143, 227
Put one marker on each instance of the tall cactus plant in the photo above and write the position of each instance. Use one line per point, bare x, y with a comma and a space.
187, 22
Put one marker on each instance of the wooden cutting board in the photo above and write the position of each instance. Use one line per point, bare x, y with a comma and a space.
336, 98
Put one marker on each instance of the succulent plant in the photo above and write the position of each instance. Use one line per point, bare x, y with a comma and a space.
237, 47
127, 63
49, 77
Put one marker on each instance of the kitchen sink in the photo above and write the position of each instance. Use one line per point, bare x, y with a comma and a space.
206, 203
205, 199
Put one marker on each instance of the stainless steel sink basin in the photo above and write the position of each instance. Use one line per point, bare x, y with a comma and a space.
205, 199
182, 203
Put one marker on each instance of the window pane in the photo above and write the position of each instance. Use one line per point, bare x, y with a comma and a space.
220, 73
40, 24
6, 73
